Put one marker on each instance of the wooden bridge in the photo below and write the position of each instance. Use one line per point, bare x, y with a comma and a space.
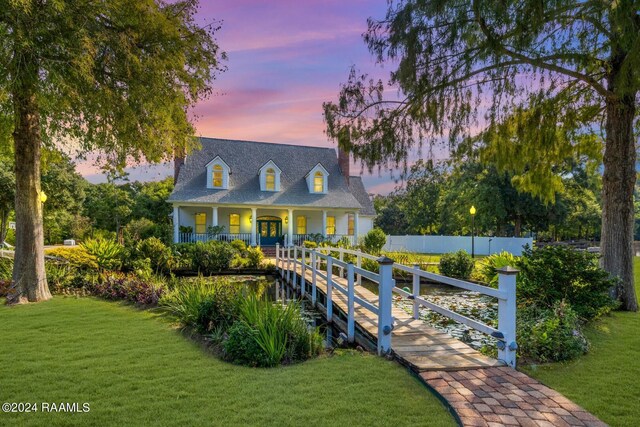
330, 279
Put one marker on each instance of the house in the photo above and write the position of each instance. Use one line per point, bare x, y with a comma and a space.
264, 193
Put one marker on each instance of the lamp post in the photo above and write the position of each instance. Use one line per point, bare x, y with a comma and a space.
472, 211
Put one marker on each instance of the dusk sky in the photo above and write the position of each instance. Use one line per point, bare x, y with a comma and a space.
286, 58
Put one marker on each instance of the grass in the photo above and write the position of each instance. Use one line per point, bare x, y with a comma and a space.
605, 381
135, 369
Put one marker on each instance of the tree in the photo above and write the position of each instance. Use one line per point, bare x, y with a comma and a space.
537, 79
390, 216
114, 75
108, 205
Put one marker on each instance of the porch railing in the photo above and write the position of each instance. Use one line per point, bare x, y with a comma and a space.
299, 239
223, 237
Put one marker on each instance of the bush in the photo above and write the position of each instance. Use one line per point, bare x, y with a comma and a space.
242, 348
212, 257
139, 229
550, 335
60, 275
6, 268
239, 245
490, 265
4, 288
254, 257
183, 255
555, 273
374, 241
128, 287
458, 265
107, 252
221, 306
309, 244
184, 301
159, 255
77, 257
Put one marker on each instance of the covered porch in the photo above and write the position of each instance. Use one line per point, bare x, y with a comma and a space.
263, 226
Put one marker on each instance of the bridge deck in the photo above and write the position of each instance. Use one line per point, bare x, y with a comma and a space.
414, 343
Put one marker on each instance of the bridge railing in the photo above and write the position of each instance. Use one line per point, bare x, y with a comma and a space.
322, 264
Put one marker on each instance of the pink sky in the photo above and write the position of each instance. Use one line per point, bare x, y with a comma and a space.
285, 59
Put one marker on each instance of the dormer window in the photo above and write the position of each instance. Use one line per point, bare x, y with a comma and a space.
218, 174
317, 180
271, 180
269, 177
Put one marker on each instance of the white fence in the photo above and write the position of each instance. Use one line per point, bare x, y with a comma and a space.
446, 244
289, 258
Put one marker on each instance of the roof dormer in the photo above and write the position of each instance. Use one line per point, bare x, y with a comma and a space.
269, 177
218, 174
317, 180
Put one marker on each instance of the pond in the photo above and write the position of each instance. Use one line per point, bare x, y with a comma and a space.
470, 304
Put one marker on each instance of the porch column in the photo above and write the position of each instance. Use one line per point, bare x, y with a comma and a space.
254, 214
324, 223
290, 228
176, 224
214, 216
355, 227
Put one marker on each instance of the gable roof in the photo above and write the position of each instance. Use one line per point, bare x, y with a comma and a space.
270, 163
246, 158
218, 160
360, 193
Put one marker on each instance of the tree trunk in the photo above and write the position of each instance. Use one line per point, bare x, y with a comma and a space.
618, 183
517, 231
4, 218
29, 278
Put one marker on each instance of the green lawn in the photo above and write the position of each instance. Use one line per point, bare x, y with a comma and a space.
605, 381
134, 369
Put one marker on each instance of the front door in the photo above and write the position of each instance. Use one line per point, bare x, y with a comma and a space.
270, 230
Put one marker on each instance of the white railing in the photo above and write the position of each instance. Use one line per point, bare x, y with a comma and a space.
223, 237
287, 259
299, 239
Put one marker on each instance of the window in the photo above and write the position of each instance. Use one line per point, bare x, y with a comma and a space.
331, 225
318, 182
351, 226
234, 224
201, 223
217, 176
271, 180
301, 225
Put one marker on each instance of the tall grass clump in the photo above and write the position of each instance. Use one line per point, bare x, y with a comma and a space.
184, 302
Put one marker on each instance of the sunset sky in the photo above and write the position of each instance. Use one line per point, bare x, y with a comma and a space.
286, 58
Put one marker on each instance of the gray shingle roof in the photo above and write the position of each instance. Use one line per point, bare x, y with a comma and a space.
245, 159
360, 193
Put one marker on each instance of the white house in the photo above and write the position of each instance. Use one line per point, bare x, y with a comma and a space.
266, 193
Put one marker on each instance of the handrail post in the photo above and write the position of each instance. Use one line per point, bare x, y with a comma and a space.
351, 333
288, 264
385, 320
507, 315
359, 265
314, 268
278, 258
341, 259
295, 267
416, 292
303, 268
329, 289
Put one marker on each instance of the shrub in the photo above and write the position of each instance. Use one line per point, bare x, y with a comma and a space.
159, 255
6, 268
550, 335
184, 301
242, 348
309, 244
555, 273
77, 257
490, 265
239, 245
183, 255
59, 275
107, 252
220, 308
458, 265
212, 257
139, 229
128, 287
374, 241
4, 287
254, 257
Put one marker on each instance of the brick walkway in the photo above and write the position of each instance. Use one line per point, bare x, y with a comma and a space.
504, 396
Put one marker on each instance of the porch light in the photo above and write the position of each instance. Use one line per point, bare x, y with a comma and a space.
286, 219
43, 196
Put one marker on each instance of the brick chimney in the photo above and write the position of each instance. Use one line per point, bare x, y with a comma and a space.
343, 162
178, 161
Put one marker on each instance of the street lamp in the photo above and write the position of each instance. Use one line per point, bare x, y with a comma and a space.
472, 211
43, 196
